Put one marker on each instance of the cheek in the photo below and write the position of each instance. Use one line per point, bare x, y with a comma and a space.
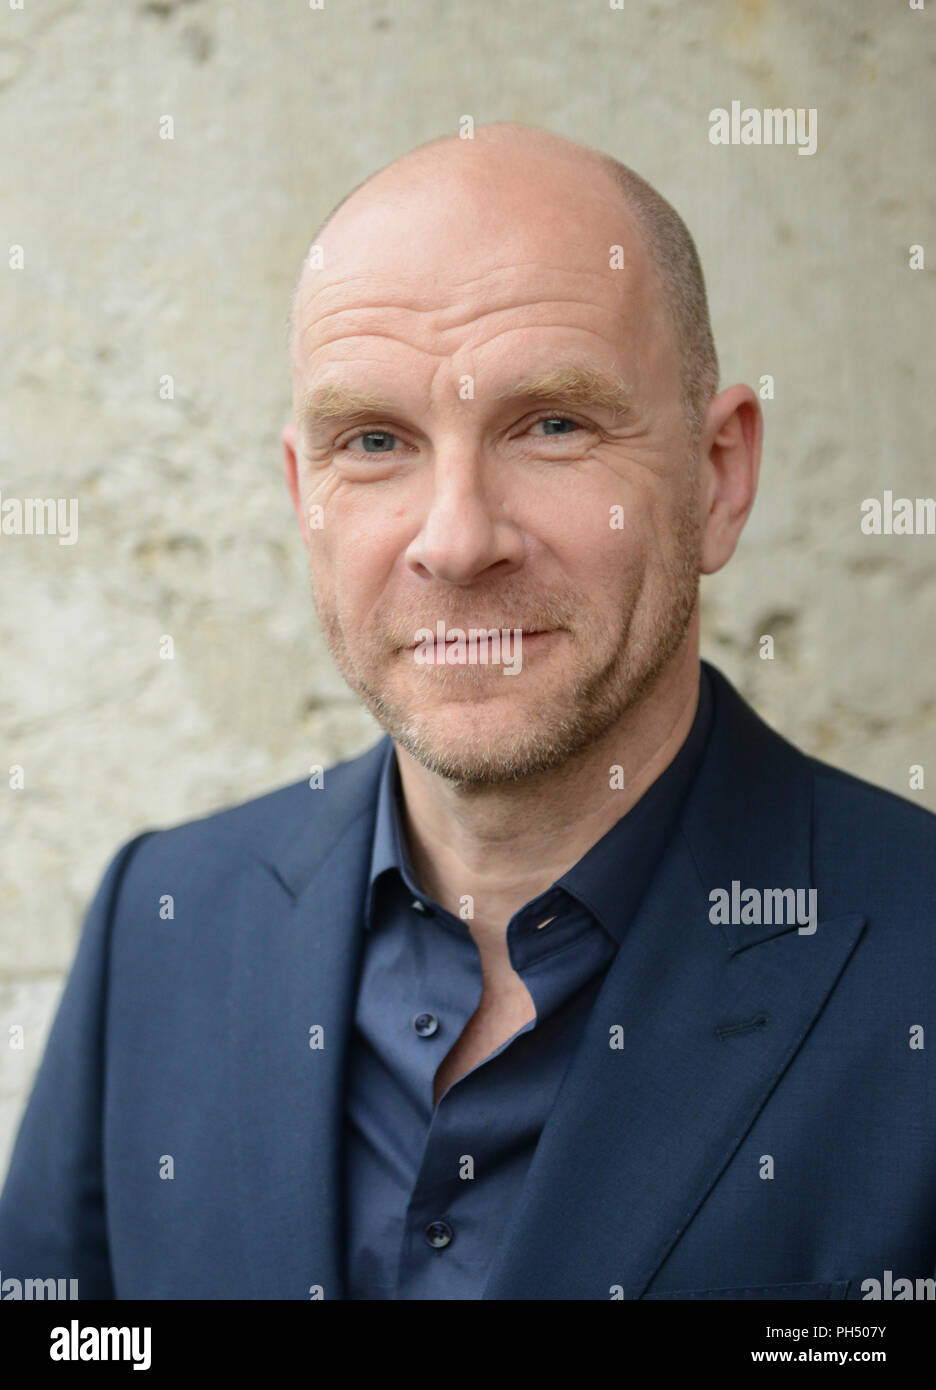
620, 551
352, 570
641, 555
648, 528
316, 493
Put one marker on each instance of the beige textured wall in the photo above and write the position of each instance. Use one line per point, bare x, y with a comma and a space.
144, 257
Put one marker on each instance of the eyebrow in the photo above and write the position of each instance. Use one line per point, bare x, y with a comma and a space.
324, 403
572, 384
575, 385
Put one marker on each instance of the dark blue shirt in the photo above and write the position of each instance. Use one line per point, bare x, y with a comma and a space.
430, 1188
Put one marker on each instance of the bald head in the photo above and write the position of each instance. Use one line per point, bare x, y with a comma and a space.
500, 356
520, 154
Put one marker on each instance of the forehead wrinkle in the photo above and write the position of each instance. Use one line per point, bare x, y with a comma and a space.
346, 342
478, 316
436, 334
536, 265
418, 298
319, 319
427, 303
434, 300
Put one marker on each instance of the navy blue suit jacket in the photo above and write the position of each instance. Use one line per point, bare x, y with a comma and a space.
190, 1039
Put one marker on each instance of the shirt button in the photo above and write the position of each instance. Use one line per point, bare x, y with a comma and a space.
438, 1234
418, 906
425, 1024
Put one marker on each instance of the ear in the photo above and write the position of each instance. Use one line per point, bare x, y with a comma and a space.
729, 464
291, 469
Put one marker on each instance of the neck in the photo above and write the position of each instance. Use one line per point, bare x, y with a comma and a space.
503, 844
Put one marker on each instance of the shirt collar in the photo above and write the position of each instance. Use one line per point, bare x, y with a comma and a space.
611, 877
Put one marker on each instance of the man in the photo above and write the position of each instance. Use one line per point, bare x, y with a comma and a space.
582, 983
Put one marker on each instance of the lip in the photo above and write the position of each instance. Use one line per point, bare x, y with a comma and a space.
526, 636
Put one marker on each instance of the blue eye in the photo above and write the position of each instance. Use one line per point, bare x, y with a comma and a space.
558, 420
382, 439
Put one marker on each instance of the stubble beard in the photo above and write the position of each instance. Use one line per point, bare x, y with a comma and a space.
564, 724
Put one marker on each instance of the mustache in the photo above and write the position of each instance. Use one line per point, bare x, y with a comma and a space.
405, 635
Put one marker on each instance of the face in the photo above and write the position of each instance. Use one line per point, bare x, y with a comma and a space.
463, 460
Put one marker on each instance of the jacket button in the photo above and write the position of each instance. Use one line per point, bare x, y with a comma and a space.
425, 1024
438, 1234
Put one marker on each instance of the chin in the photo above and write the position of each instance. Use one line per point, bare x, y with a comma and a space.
463, 745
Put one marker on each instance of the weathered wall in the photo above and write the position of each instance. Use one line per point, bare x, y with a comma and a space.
144, 257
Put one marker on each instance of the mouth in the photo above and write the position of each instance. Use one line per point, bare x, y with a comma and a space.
527, 635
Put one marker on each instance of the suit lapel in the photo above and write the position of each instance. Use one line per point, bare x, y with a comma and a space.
705, 1020
639, 1134
297, 946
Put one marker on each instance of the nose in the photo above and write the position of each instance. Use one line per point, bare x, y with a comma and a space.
465, 531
